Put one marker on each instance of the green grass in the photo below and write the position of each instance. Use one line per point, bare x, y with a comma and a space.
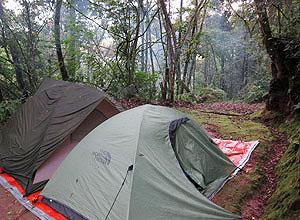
233, 127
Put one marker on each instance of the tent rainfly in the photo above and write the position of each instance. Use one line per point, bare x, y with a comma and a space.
47, 127
147, 163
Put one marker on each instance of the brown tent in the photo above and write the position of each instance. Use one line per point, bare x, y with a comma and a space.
47, 127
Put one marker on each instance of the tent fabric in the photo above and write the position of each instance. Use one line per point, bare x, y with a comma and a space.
206, 164
172, 135
46, 170
96, 117
61, 208
103, 186
35, 203
41, 125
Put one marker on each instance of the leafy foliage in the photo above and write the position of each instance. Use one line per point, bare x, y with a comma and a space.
7, 108
146, 84
254, 93
204, 94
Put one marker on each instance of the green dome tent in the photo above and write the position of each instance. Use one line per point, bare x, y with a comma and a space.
142, 164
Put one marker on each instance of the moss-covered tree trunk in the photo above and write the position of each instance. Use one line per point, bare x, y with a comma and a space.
284, 86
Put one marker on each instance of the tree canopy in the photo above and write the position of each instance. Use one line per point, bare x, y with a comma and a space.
197, 50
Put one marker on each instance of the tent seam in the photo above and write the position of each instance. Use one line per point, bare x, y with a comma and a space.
137, 145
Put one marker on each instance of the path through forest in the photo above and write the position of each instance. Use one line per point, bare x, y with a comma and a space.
255, 206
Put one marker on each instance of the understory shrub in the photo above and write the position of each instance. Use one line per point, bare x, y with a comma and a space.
254, 93
204, 94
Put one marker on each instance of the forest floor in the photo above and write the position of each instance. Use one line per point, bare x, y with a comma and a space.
248, 192
11, 209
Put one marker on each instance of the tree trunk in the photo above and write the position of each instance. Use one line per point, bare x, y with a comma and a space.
205, 73
71, 56
133, 46
1, 96
60, 57
179, 86
147, 39
171, 48
142, 11
32, 49
192, 71
19, 75
244, 74
278, 93
151, 51
151, 55
215, 64
16, 60
185, 69
189, 52
163, 84
222, 72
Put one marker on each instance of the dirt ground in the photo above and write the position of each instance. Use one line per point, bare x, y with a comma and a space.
11, 209
255, 206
